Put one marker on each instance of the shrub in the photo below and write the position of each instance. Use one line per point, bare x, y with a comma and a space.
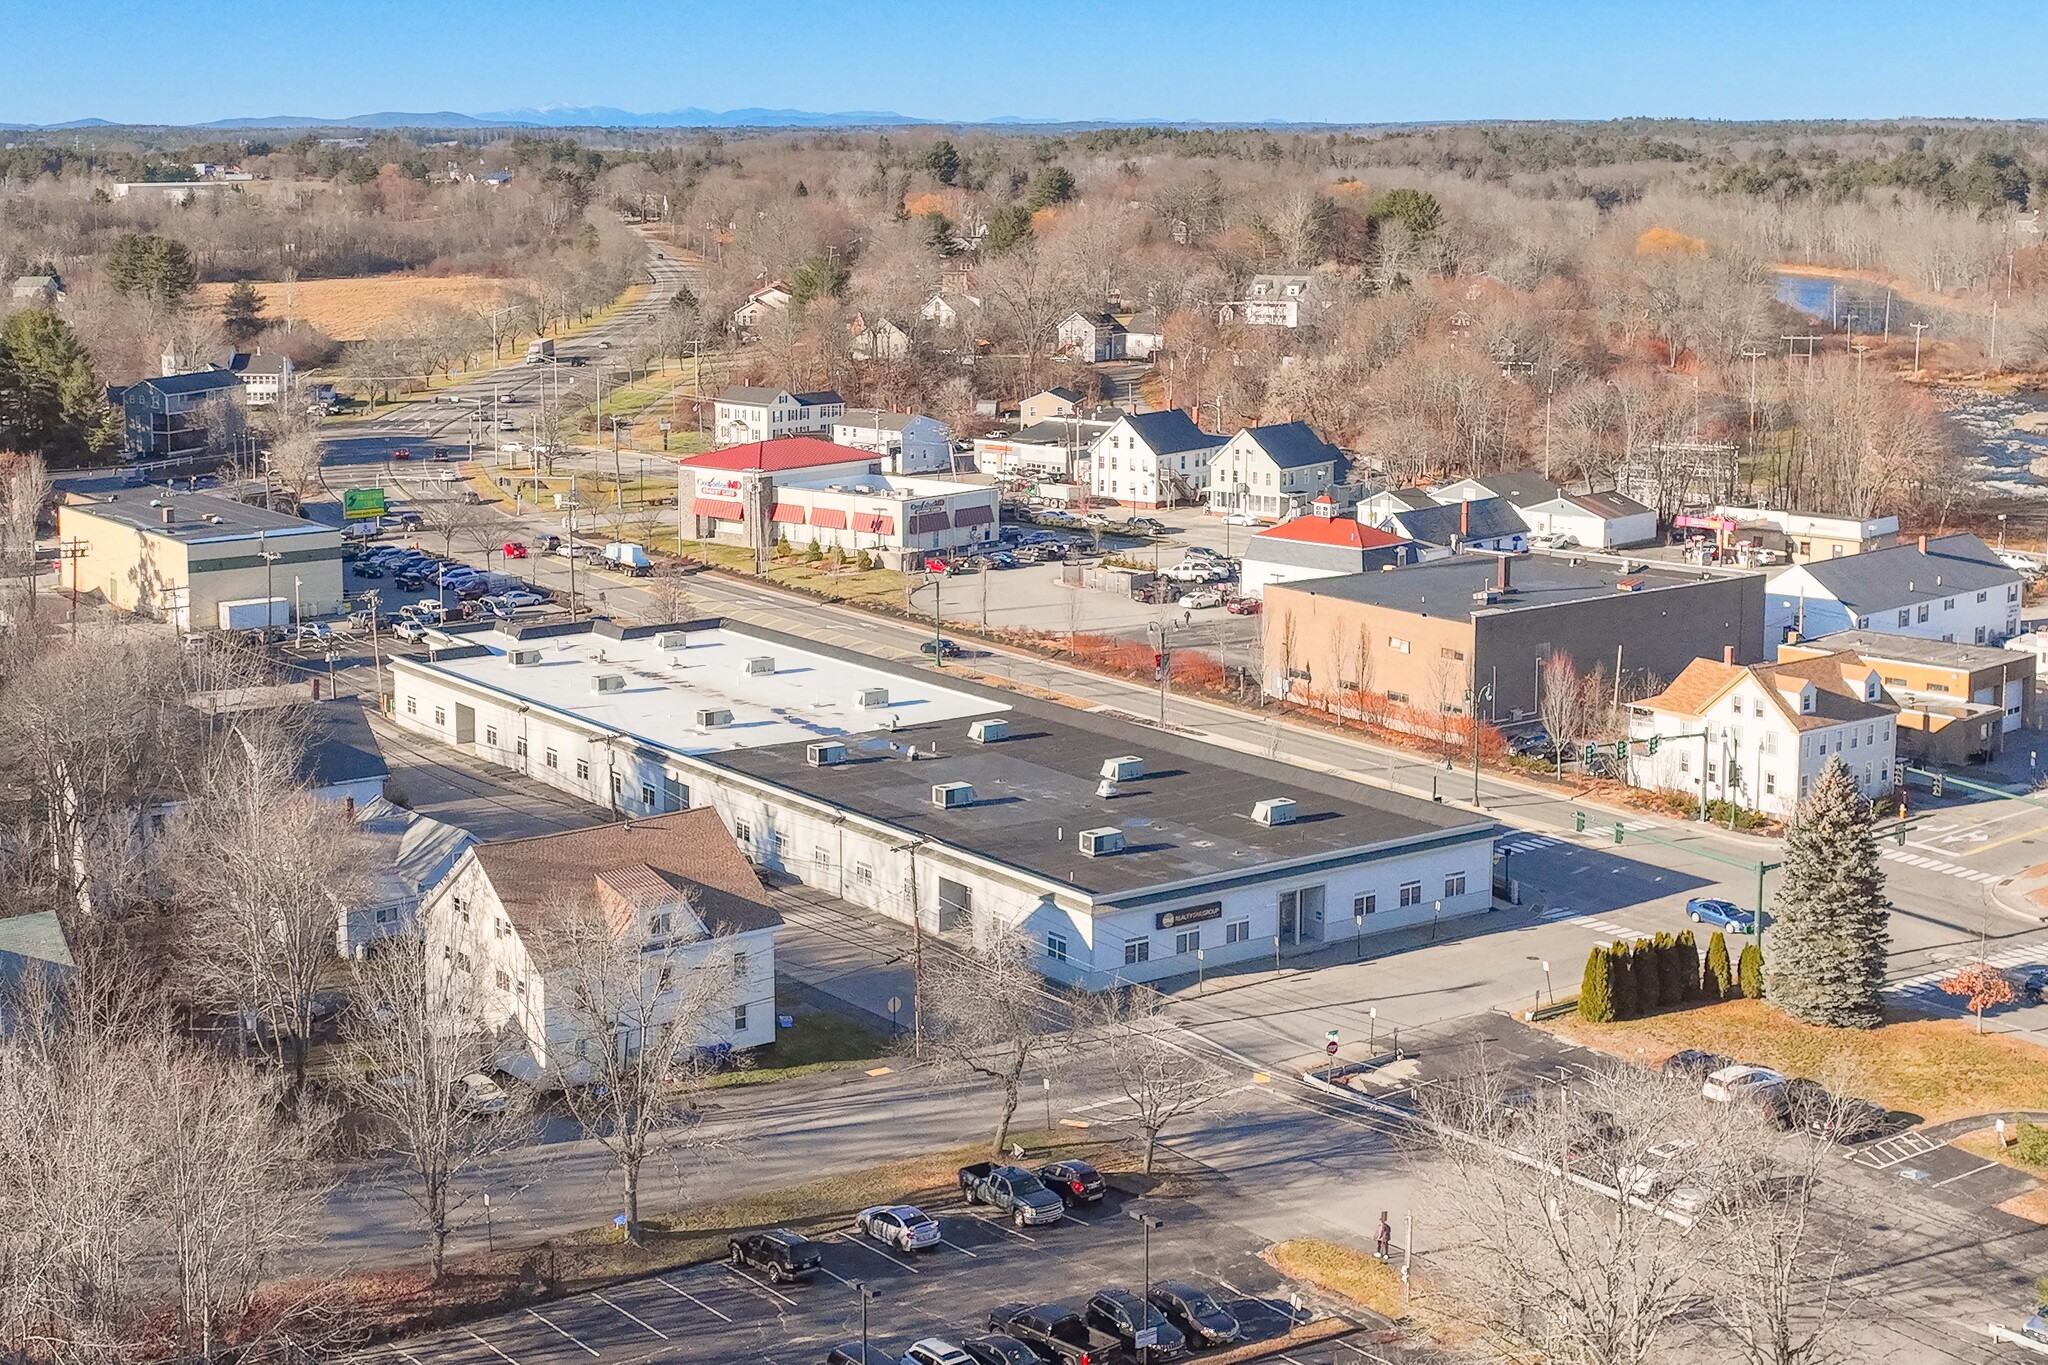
1750, 971
864, 560
1596, 987
1627, 998
1682, 980
1718, 980
1661, 951
2030, 1146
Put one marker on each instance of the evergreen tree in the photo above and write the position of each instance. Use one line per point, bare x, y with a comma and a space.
819, 277
241, 314
1682, 971
943, 161
157, 268
1749, 972
51, 402
1596, 987
1053, 185
1718, 983
1416, 210
1831, 917
1661, 957
1008, 228
1627, 1002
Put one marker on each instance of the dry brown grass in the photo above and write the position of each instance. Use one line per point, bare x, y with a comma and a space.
2032, 1206
349, 310
1347, 1272
1935, 1068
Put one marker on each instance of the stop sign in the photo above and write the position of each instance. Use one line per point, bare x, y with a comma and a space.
1330, 1047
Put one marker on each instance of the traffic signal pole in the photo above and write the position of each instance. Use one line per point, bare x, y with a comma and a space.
1760, 867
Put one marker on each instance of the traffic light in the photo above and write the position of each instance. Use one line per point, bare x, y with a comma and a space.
1621, 751
1592, 754
1937, 784
1578, 822
1653, 746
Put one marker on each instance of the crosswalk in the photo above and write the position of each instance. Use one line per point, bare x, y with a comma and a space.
1927, 985
1564, 914
1528, 841
1922, 861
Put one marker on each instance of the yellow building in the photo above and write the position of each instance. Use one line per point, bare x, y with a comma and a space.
178, 556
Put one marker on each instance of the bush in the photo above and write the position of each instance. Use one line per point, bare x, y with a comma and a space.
1750, 972
864, 561
1627, 992
2030, 1148
1718, 981
1682, 969
1661, 954
1745, 818
1596, 987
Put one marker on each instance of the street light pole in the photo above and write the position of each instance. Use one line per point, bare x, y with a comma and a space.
860, 1287
1146, 1225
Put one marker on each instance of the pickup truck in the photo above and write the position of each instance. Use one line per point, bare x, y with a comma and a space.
1014, 1189
1056, 1333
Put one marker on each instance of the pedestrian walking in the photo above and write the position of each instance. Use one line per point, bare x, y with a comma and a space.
1187, 618
1383, 1243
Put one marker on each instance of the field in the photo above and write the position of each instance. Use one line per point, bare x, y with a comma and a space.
348, 310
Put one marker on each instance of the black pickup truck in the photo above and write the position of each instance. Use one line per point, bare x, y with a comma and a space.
1057, 1333
1014, 1190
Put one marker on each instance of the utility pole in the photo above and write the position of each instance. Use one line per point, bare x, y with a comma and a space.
916, 956
1918, 328
1472, 701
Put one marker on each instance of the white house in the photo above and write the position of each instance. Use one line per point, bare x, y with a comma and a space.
947, 311
1275, 301
1596, 521
772, 297
1274, 472
674, 887
1152, 459
1758, 734
878, 340
744, 413
409, 855
1144, 335
266, 379
907, 442
1475, 524
1092, 337
1942, 588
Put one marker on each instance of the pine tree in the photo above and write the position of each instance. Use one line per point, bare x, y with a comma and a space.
1627, 1001
1750, 972
1596, 987
1831, 917
1683, 981
1719, 981
241, 314
51, 403
1650, 962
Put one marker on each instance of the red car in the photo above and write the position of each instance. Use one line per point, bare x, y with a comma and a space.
938, 566
401, 454
514, 550
1242, 606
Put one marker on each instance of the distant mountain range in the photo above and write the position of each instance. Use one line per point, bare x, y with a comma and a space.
548, 116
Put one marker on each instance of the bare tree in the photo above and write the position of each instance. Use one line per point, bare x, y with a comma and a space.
1780, 1298
988, 1012
669, 590
295, 460
1163, 1075
24, 489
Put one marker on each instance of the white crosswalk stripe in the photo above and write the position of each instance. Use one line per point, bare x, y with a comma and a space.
1929, 983
1925, 863
1563, 914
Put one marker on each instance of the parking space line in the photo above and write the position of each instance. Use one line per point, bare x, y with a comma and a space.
841, 1278
1972, 1171
866, 1245
494, 1350
1000, 1225
961, 1249
766, 1289
552, 1328
1082, 1221
630, 1316
663, 1282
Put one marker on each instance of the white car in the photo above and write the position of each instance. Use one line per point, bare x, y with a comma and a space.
1554, 540
477, 1093
1737, 1082
1651, 1176
1242, 519
1201, 598
936, 1351
513, 447
903, 1226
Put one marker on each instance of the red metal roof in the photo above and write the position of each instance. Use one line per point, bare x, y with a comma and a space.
1344, 531
788, 452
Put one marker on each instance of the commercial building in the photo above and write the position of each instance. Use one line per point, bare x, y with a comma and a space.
1801, 537
1940, 588
907, 442
178, 556
1275, 471
1957, 702
730, 492
1758, 735
742, 413
897, 519
1120, 856
1322, 544
673, 890
1052, 451
1427, 633
1152, 459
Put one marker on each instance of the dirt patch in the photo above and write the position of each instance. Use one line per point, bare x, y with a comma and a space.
349, 310
2032, 1206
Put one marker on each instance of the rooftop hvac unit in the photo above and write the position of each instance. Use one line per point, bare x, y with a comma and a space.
1277, 810
870, 697
1100, 843
760, 667
1129, 768
524, 658
672, 639
952, 795
608, 682
713, 719
824, 755
988, 731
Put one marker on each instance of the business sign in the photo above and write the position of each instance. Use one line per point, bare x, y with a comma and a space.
924, 505
358, 504
724, 487
1188, 914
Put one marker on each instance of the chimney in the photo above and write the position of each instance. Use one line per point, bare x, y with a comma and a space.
1923, 545
1465, 518
1500, 581
1728, 654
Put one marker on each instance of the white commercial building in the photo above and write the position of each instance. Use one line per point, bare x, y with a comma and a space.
1054, 450
907, 442
729, 493
1120, 856
886, 515
1942, 588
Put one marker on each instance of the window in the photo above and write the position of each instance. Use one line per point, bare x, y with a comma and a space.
2012, 594
1906, 617
864, 872
440, 715
519, 746
1361, 906
739, 1018
739, 964
504, 981
1770, 784
647, 795
1187, 941
1454, 885
618, 784
1712, 775
666, 981
462, 961
1397, 644
412, 706
1684, 761
1756, 707
1769, 743
521, 987
1446, 652
1922, 612
1398, 698
1948, 604
1852, 739
582, 770
1411, 894
743, 831
491, 736
1137, 950
552, 759
660, 925
386, 915
1983, 596
1056, 947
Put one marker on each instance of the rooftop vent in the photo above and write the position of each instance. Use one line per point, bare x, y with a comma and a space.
713, 719
672, 639
523, 658
169, 514
1274, 810
1101, 843
824, 755
608, 682
1129, 768
870, 697
761, 666
1628, 585
988, 731
952, 795
1106, 788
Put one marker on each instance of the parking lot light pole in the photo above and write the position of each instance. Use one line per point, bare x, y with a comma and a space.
860, 1287
1147, 1224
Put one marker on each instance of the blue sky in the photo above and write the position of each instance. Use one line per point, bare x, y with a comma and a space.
1252, 60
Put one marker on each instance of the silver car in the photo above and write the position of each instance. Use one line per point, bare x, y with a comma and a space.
903, 1226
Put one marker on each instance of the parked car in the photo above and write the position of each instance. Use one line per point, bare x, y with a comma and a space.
1731, 1083
1058, 1334
1202, 598
784, 1256
1150, 526
513, 549
477, 1093
1553, 540
1653, 1175
1199, 1318
941, 649
1243, 606
1532, 744
903, 1226
1694, 1064
853, 1353
1241, 519
1121, 1314
936, 1351
1723, 914
1012, 1189
997, 1349
366, 568
1851, 1120
1075, 1182
2031, 983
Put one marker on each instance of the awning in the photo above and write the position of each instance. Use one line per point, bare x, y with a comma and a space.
718, 509
974, 514
829, 518
788, 513
924, 523
874, 523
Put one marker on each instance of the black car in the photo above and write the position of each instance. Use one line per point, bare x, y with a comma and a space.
941, 649
1199, 1318
997, 1349
1123, 1315
364, 570
1594, 1135
1533, 744
1075, 1182
779, 1253
1694, 1065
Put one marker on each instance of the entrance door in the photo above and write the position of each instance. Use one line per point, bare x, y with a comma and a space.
465, 724
1301, 916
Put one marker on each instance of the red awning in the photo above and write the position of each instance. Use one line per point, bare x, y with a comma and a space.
829, 518
874, 523
975, 514
719, 509
788, 513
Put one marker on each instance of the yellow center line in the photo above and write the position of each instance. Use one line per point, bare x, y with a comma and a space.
2010, 838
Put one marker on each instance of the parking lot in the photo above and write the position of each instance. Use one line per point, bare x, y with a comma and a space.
714, 1312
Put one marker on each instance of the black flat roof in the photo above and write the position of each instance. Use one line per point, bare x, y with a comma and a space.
1446, 587
1188, 820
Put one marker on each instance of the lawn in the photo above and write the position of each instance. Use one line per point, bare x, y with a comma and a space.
1348, 1273
350, 309
1937, 1069
815, 1041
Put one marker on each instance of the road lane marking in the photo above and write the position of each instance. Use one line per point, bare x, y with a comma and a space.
760, 1285
961, 1249
664, 1283
552, 1328
498, 1353
634, 1317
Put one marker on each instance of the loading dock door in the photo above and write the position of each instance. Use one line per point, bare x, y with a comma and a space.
465, 724
956, 903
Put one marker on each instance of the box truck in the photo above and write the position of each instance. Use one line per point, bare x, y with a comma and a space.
256, 613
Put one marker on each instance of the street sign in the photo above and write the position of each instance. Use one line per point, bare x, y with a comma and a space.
895, 1003
358, 504
1330, 1048
664, 425
1330, 1034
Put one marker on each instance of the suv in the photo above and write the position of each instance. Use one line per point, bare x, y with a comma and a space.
789, 1257
1075, 1182
1123, 1315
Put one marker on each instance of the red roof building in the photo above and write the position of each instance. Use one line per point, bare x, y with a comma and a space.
1320, 545
781, 455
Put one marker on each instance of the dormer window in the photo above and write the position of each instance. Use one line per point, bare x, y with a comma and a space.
1870, 690
1806, 702
661, 925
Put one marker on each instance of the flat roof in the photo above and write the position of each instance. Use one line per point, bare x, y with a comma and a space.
888, 487
1446, 587
199, 516
1912, 649
1187, 822
809, 696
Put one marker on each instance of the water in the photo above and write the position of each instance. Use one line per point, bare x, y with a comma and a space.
1856, 305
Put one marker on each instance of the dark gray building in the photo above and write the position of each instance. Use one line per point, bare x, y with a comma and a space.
166, 418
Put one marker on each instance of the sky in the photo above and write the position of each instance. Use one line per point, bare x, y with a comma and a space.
1341, 61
